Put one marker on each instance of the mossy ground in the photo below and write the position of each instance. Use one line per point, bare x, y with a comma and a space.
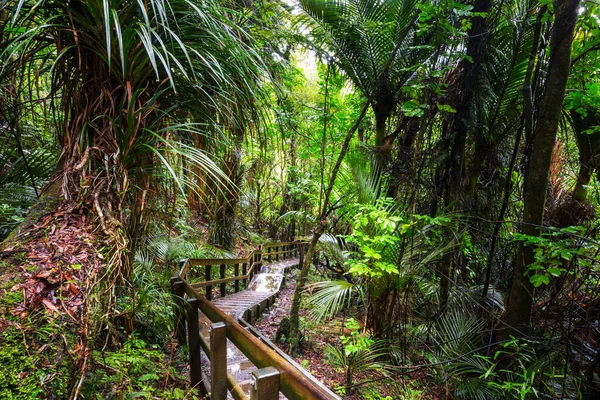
35, 350
54, 344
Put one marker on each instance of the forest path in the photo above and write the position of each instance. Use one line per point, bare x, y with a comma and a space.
247, 305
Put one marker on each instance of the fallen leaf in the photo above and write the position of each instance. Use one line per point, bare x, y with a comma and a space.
49, 305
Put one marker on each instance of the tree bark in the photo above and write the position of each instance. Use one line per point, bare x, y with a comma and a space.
476, 50
528, 91
518, 313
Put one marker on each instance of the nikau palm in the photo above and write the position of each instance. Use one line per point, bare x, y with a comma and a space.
130, 78
362, 36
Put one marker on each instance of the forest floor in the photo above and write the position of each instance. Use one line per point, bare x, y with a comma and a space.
53, 342
317, 338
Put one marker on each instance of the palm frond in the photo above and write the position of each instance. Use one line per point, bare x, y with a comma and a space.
331, 297
334, 247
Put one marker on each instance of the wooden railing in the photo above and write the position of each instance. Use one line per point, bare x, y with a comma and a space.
276, 372
201, 274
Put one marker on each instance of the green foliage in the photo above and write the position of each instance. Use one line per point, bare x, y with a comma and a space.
359, 353
519, 381
18, 376
34, 362
556, 251
22, 177
134, 371
10, 217
374, 231
331, 297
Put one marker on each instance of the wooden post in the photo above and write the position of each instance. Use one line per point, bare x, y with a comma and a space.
256, 312
300, 257
218, 361
194, 343
269, 249
224, 284
265, 384
207, 278
236, 272
178, 309
244, 271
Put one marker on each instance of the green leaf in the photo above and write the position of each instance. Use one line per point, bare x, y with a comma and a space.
538, 280
554, 271
446, 108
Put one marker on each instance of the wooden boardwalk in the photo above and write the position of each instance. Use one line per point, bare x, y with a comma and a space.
260, 293
215, 302
247, 305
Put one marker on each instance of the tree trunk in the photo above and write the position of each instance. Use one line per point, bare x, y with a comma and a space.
221, 230
469, 81
589, 151
518, 313
528, 91
383, 147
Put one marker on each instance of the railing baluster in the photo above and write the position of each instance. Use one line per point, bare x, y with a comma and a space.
178, 309
224, 284
248, 316
244, 271
208, 277
236, 284
194, 343
265, 384
218, 361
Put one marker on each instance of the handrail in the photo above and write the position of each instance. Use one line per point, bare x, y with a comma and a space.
249, 266
285, 377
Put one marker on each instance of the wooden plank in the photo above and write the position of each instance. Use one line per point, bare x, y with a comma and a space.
274, 253
218, 361
198, 262
234, 388
194, 343
185, 265
285, 356
244, 273
248, 316
265, 384
280, 244
191, 262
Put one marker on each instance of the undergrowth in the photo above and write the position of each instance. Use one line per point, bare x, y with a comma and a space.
35, 360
